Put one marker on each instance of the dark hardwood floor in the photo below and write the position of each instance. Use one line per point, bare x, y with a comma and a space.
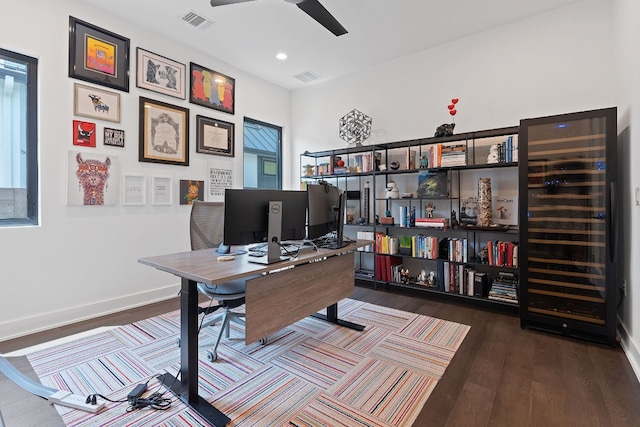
502, 375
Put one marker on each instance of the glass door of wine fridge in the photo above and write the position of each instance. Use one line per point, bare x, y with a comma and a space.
568, 224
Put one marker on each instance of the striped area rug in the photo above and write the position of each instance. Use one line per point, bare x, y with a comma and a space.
311, 373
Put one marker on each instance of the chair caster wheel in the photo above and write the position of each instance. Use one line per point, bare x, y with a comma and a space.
262, 341
178, 341
212, 356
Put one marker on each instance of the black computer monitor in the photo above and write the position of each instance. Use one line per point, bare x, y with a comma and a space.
246, 215
326, 214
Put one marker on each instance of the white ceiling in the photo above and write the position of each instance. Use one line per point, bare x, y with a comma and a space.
248, 35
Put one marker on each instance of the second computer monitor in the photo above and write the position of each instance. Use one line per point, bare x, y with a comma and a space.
326, 214
246, 215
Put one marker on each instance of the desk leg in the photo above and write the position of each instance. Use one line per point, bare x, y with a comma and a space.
332, 317
187, 389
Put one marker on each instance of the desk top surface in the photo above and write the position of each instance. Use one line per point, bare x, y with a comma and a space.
203, 266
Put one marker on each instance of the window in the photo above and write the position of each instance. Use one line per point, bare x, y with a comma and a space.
18, 139
262, 155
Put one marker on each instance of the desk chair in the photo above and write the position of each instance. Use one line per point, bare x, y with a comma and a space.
206, 226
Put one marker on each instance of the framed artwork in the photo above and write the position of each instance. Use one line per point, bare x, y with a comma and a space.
133, 190
84, 133
214, 136
96, 103
160, 74
191, 191
164, 133
92, 179
98, 56
161, 190
113, 137
211, 89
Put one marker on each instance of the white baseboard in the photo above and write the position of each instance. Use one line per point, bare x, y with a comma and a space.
630, 348
38, 322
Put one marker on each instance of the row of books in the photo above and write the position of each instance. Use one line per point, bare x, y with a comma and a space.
504, 287
502, 254
384, 265
507, 151
463, 280
440, 155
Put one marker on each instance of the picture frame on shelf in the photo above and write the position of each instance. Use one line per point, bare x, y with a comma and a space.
96, 103
161, 190
214, 136
164, 133
134, 190
160, 74
98, 56
211, 89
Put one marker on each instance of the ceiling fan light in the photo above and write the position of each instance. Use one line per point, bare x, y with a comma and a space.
294, 1
281, 56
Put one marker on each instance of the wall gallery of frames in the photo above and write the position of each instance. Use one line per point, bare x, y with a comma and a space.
101, 57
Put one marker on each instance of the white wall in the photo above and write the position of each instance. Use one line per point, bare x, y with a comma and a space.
627, 32
82, 261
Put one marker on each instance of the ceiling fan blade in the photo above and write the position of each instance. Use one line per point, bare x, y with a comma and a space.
215, 3
314, 9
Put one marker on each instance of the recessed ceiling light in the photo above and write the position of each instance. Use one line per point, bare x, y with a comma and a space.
281, 56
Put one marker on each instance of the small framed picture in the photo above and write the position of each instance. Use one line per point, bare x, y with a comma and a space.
160, 74
164, 133
214, 136
134, 190
84, 133
211, 89
190, 191
96, 103
114, 137
98, 56
161, 190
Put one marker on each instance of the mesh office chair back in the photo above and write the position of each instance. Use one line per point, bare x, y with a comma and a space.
206, 229
206, 224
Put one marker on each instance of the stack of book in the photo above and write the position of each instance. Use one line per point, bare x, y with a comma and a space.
453, 155
504, 288
439, 223
502, 254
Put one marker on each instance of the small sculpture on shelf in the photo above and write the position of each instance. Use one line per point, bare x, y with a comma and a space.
422, 278
431, 279
446, 129
404, 276
392, 191
493, 156
424, 162
429, 210
454, 220
308, 170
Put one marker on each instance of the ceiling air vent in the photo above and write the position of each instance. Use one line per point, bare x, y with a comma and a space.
196, 20
307, 76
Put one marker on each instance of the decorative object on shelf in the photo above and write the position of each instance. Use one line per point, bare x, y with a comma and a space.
394, 165
454, 220
308, 170
424, 162
355, 127
404, 276
407, 195
485, 213
392, 191
446, 129
494, 154
365, 200
422, 278
429, 210
432, 184
431, 279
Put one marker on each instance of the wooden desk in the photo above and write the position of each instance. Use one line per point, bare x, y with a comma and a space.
297, 288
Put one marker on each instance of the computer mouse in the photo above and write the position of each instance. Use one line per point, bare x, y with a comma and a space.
224, 249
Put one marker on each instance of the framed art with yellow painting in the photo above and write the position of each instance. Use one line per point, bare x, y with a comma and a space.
98, 56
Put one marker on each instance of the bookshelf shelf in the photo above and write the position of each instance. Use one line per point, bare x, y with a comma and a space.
440, 173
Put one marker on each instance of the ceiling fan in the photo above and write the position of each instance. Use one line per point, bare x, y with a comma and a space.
313, 8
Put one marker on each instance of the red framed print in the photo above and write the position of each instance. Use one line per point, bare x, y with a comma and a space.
211, 89
84, 133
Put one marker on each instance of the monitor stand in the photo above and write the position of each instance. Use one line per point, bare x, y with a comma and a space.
274, 227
